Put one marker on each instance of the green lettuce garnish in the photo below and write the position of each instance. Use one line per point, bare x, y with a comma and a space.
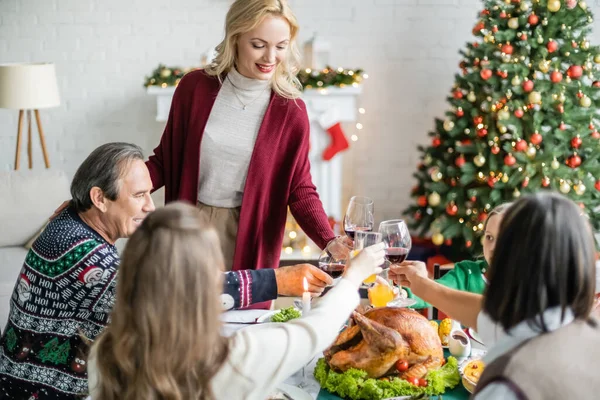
355, 385
286, 314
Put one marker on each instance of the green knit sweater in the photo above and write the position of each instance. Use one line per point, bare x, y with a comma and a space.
466, 276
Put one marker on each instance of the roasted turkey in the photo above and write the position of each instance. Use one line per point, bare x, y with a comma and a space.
382, 336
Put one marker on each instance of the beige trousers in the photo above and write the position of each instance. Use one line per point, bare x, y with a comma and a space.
225, 221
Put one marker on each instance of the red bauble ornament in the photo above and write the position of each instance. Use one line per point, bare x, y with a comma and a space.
436, 142
460, 161
452, 209
422, 201
485, 12
574, 161
509, 160
519, 113
552, 46
576, 142
477, 28
458, 94
502, 74
473, 198
562, 126
452, 182
465, 142
475, 44
521, 145
478, 120
597, 185
502, 14
579, 94
495, 149
545, 181
525, 182
574, 72
482, 132
460, 113
482, 216
468, 243
591, 126
485, 74
596, 135
418, 216
556, 76
523, 36
533, 19
507, 49
448, 242
536, 138
528, 85
491, 181
560, 108
495, 28
573, 44
596, 84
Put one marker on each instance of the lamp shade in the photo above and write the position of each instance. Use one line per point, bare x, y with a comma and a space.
28, 86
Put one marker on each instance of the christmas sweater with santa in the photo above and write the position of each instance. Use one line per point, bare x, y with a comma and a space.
66, 290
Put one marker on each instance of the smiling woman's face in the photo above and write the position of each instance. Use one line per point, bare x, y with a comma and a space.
262, 49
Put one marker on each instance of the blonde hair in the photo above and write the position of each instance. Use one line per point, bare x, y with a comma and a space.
242, 17
164, 339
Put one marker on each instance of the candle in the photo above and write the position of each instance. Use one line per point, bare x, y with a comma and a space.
305, 298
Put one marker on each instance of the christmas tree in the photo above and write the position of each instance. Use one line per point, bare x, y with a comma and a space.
523, 118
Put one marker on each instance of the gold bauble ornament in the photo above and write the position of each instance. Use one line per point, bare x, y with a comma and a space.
544, 66
579, 189
479, 160
516, 80
555, 164
433, 199
585, 45
565, 188
516, 193
485, 106
436, 175
503, 115
545, 21
597, 58
588, 65
585, 102
448, 125
562, 97
437, 239
524, 6
568, 79
535, 98
567, 53
540, 39
513, 23
506, 58
553, 5
504, 178
531, 152
555, 96
427, 159
583, 5
471, 97
165, 73
502, 129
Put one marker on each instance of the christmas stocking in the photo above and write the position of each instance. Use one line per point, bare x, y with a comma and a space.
338, 141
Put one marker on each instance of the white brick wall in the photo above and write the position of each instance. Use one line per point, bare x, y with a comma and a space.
104, 48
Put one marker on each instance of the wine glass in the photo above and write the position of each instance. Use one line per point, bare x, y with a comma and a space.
364, 239
397, 244
359, 216
333, 259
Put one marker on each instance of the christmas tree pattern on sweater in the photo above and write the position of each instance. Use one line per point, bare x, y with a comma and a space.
66, 289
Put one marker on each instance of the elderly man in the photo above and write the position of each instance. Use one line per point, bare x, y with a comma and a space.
66, 288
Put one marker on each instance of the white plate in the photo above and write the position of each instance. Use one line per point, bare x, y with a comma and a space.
475, 336
294, 392
266, 317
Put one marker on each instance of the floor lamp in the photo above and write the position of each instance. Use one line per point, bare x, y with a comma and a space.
29, 87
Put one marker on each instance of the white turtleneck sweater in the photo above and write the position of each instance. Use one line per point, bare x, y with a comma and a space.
229, 137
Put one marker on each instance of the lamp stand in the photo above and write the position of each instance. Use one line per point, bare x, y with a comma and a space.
29, 141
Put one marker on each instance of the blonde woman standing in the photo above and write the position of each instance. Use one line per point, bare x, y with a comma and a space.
236, 145
164, 338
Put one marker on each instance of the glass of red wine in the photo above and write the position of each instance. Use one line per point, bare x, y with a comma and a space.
333, 259
397, 242
359, 216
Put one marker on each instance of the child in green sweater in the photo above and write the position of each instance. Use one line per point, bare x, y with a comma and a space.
470, 276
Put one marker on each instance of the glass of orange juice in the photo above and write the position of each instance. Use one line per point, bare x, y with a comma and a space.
380, 295
364, 239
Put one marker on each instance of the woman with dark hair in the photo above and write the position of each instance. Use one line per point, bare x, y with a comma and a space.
535, 314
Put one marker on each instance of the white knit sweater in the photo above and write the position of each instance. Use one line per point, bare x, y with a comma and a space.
229, 137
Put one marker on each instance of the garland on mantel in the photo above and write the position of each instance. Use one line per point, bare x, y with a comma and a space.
164, 76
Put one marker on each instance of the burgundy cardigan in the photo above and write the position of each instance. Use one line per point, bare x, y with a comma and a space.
278, 174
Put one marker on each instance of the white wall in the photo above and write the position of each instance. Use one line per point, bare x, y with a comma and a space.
104, 48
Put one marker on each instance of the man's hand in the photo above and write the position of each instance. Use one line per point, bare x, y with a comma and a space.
290, 280
406, 273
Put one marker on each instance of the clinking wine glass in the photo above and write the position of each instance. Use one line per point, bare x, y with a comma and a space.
359, 216
364, 239
333, 259
397, 242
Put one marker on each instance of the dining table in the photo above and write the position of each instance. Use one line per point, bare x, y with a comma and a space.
304, 378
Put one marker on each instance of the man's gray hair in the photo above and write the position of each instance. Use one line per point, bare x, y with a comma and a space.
102, 168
